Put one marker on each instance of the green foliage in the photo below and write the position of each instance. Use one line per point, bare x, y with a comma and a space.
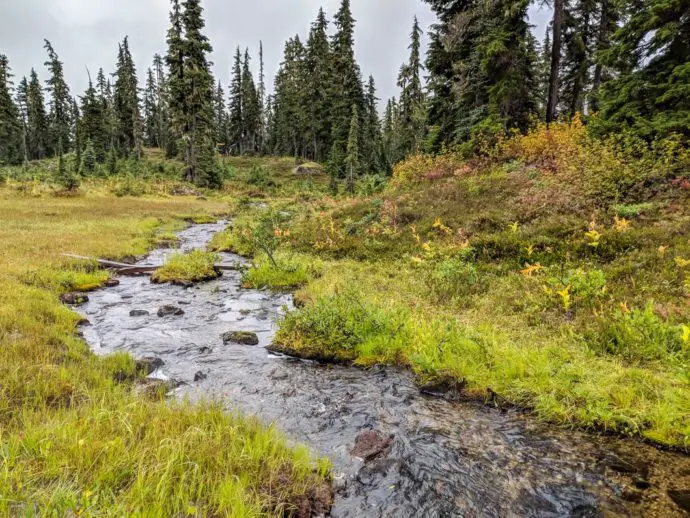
454, 278
637, 336
88, 164
288, 273
632, 211
196, 266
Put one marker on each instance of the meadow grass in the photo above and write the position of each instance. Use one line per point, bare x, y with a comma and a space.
76, 441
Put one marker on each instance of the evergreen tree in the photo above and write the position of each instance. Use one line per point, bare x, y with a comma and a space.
174, 60
162, 130
126, 106
236, 122
10, 124
220, 118
89, 159
556, 50
579, 38
94, 123
372, 145
77, 136
60, 103
352, 156
412, 111
23, 107
390, 135
38, 137
262, 101
321, 83
347, 85
152, 137
251, 110
651, 57
197, 129
290, 125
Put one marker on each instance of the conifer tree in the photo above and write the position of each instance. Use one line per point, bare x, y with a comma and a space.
197, 130
262, 101
290, 126
126, 106
220, 118
22, 106
321, 84
162, 130
556, 50
412, 111
352, 156
77, 136
152, 136
174, 60
348, 90
60, 103
94, 123
37, 120
390, 135
251, 110
236, 122
372, 145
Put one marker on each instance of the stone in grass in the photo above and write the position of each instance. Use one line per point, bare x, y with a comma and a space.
74, 299
170, 311
149, 365
370, 444
240, 337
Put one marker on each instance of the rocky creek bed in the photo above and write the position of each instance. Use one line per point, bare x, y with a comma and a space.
396, 451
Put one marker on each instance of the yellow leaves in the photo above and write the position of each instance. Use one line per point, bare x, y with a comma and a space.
530, 250
438, 225
686, 334
621, 224
531, 269
565, 297
624, 308
593, 238
662, 250
415, 234
682, 263
514, 227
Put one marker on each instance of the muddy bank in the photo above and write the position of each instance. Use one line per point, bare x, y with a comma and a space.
431, 457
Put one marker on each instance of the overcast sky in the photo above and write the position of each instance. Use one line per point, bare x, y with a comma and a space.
85, 33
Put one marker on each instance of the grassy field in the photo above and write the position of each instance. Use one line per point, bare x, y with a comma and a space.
74, 439
564, 290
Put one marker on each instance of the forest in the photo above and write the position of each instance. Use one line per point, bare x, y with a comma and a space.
506, 243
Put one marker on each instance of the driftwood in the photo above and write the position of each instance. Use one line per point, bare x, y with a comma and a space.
145, 269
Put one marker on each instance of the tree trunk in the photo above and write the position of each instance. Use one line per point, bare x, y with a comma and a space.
558, 13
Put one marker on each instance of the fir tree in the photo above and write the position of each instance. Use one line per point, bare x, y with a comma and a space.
236, 122
77, 132
176, 93
89, 159
372, 145
23, 108
556, 50
126, 106
37, 120
321, 83
352, 156
262, 101
94, 122
60, 103
162, 130
152, 137
220, 118
412, 111
251, 110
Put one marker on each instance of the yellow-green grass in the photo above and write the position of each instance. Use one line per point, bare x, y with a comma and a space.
73, 439
478, 279
195, 266
290, 271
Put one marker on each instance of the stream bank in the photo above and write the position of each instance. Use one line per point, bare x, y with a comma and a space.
445, 458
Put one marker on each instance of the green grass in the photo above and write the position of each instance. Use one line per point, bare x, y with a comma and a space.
289, 272
196, 266
75, 438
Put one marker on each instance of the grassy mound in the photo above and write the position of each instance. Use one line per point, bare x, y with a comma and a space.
196, 266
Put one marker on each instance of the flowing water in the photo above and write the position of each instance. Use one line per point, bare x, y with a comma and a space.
447, 459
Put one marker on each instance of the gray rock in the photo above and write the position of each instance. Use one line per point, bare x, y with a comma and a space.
149, 365
241, 337
170, 311
200, 376
371, 444
139, 313
74, 299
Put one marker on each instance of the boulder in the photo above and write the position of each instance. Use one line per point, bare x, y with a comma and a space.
139, 313
200, 376
371, 444
149, 365
241, 337
170, 311
74, 299
111, 283
310, 168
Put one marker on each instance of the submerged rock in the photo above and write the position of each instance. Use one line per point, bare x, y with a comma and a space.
681, 497
139, 313
149, 365
371, 444
74, 299
241, 337
200, 376
447, 388
170, 311
111, 283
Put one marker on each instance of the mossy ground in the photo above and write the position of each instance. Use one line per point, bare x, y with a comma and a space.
196, 266
74, 438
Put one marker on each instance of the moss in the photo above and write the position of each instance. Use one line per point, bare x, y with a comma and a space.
197, 266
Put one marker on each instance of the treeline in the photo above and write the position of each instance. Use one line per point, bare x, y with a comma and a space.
485, 75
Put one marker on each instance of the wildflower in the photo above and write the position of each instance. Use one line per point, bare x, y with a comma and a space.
682, 263
621, 224
531, 268
594, 238
514, 227
662, 250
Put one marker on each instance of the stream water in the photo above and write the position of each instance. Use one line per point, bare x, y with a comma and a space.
447, 459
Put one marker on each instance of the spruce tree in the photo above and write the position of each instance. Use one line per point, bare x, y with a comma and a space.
290, 124
23, 108
262, 101
251, 110
152, 137
412, 110
94, 121
372, 145
236, 122
321, 84
556, 50
38, 136
197, 129
77, 132
650, 55
348, 90
352, 156
60, 103
162, 130
126, 106
176, 95
220, 118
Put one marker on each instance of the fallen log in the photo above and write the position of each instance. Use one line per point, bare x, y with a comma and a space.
144, 269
